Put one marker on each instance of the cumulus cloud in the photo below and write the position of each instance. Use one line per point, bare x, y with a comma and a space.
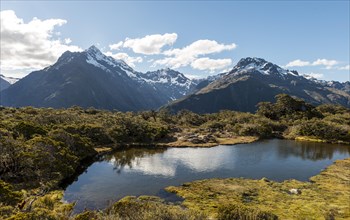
185, 56
67, 41
126, 58
324, 62
298, 63
347, 67
201, 47
329, 64
314, 75
150, 44
211, 64
32, 45
116, 46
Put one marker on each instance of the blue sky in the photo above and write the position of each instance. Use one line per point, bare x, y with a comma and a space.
311, 37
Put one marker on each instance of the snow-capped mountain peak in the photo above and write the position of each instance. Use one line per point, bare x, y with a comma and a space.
167, 76
93, 49
169, 81
251, 60
262, 66
95, 57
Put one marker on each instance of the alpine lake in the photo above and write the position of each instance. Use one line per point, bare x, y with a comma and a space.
147, 171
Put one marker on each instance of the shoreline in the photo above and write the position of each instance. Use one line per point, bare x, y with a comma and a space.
324, 195
313, 199
210, 199
220, 141
178, 144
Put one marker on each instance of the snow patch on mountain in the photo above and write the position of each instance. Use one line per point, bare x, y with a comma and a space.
168, 76
262, 66
10, 80
93, 61
107, 63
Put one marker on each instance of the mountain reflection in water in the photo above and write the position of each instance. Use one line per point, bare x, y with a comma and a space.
147, 171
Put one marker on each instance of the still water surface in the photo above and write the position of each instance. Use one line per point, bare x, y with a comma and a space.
148, 171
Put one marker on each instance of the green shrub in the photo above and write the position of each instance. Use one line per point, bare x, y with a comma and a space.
332, 109
288, 108
8, 195
241, 212
323, 130
28, 129
96, 133
79, 146
186, 117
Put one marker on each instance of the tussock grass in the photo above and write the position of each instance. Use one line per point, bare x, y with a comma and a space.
327, 196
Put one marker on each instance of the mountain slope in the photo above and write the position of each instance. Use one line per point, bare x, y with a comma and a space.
87, 78
5, 82
254, 80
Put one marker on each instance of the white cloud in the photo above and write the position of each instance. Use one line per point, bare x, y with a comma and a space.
29, 46
150, 44
211, 64
329, 64
298, 63
324, 62
347, 67
116, 46
67, 41
201, 47
126, 58
185, 56
314, 75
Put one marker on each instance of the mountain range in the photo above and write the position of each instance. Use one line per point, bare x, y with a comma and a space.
255, 80
92, 79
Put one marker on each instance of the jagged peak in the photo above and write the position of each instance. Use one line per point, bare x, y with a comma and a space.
65, 55
163, 70
251, 60
98, 55
166, 72
262, 66
93, 49
95, 56
167, 69
94, 52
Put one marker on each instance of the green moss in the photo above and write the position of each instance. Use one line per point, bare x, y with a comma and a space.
241, 212
326, 196
148, 208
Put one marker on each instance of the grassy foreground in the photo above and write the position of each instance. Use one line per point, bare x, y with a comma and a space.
40, 148
326, 196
